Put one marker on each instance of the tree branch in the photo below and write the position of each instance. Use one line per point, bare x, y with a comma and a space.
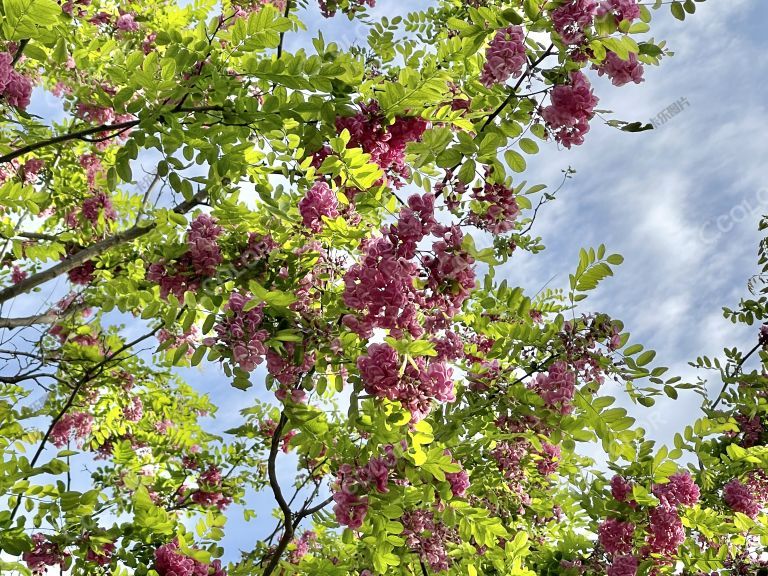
47, 318
86, 254
285, 539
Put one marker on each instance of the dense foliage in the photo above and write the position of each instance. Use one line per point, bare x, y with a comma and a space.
333, 218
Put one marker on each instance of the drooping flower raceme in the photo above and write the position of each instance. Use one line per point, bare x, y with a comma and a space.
557, 387
15, 88
615, 536
571, 110
739, 498
620, 71
505, 56
75, 425
240, 332
318, 202
572, 18
623, 566
681, 489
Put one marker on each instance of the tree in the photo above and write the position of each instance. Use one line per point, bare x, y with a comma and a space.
312, 211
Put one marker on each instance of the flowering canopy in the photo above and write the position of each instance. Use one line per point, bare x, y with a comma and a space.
324, 225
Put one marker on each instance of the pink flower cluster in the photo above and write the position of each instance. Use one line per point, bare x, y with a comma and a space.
127, 22
209, 493
620, 488
680, 490
620, 71
93, 167
239, 332
319, 201
419, 384
103, 555
571, 110
14, 87
615, 536
134, 410
76, 425
665, 530
740, 498
99, 204
573, 18
17, 274
623, 566
549, 460
354, 485
450, 271
200, 261
427, 538
169, 561
499, 208
504, 57
385, 144
459, 482
203, 251
621, 9
286, 368
44, 553
557, 387
31, 169
82, 275
303, 545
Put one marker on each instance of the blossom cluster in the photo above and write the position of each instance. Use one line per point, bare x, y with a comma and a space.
240, 332
385, 143
15, 88
428, 538
209, 491
355, 483
319, 202
170, 561
572, 107
498, 208
620, 71
74, 425
44, 553
420, 382
556, 387
200, 261
504, 57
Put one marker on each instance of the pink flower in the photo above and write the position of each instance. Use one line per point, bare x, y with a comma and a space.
620, 488
17, 274
134, 410
459, 482
615, 536
739, 498
127, 22
557, 387
14, 87
319, 201
504, 57
550, 459
169, 561
665, 530
623, 566
572, 18
680, 489
621, 71
621, 9
499, 207
44, 553
571, 110
203, 249
76, 425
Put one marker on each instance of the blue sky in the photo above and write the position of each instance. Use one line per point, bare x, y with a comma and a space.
681, 203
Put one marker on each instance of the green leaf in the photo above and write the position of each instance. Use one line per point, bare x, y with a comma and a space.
515, 161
